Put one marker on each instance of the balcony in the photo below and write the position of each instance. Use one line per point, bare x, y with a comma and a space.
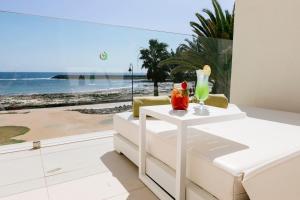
98, 111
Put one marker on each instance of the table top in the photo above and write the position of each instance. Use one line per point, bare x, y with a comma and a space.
193, 115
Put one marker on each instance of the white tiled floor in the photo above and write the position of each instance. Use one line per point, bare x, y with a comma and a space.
40, 194
88, 170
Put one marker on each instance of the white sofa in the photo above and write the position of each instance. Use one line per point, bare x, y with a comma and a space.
231, 160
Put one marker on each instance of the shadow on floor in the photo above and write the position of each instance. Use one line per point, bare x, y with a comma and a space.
127, 174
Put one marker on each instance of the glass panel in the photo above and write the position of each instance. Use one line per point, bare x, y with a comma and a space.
62, 78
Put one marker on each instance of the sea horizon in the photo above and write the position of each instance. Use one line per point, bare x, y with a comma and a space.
28, 83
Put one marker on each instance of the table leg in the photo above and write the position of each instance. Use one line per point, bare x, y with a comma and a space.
181, 163
142, 145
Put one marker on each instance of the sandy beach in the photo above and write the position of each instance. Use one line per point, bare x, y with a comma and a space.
65, 114
46, 123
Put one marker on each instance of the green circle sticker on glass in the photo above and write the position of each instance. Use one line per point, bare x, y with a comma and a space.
103, 55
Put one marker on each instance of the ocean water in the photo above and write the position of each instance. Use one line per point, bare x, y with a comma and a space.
16, 83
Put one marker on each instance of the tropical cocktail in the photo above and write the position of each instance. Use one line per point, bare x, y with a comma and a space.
180, 96
202, 89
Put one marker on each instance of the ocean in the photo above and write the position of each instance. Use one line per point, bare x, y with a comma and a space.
26, 83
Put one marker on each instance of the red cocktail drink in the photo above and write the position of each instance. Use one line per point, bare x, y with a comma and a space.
180, 97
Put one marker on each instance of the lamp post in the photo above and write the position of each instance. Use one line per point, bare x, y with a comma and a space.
130, 70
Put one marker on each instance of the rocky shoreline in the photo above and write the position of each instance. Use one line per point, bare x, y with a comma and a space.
18, 102
93, 77
104, 111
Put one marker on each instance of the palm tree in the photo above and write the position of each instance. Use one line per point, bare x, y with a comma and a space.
219, 24
151, 56
205, 49
201, 51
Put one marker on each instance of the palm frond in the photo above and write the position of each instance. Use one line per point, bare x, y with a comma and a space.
210, 14
183, 68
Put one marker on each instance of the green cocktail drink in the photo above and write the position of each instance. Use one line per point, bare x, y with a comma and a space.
202, 89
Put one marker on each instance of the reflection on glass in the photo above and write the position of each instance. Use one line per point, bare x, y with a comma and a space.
47, 62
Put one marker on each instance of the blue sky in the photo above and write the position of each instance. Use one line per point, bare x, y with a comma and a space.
32, 43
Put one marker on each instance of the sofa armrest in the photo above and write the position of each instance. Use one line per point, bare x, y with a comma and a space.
276, 180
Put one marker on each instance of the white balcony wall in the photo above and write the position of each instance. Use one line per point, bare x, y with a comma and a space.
266, 57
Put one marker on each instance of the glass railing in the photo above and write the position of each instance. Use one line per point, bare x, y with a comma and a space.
61, 81
62, 77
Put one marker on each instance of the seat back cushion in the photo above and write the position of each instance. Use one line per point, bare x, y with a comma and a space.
148, 101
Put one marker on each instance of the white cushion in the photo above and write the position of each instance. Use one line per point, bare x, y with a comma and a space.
257, 142
127, 126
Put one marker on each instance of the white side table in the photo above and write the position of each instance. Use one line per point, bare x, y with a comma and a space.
182, 119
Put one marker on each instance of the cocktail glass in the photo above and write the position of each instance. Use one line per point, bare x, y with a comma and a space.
179, 98
202, 89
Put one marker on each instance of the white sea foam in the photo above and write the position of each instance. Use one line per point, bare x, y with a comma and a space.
23, 79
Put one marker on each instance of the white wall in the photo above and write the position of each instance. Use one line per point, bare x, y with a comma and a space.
266, 57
